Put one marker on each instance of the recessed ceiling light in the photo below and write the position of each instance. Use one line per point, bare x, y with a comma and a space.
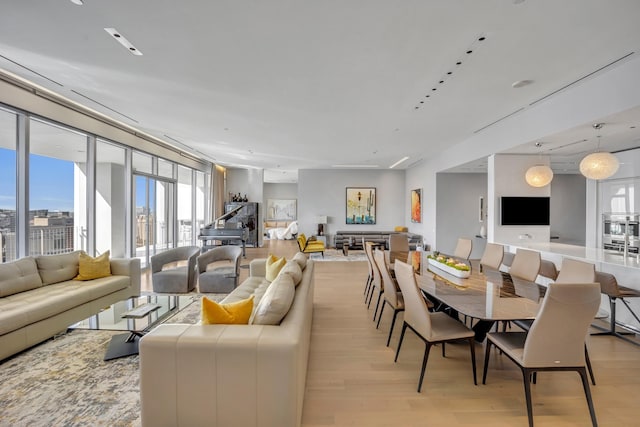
78, 2
354, 166
521, 83
123, 41
398, 162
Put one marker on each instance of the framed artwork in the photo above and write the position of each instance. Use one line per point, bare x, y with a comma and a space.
281, 209
361, 205
416, 205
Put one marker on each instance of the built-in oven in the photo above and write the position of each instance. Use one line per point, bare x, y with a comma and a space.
619, 229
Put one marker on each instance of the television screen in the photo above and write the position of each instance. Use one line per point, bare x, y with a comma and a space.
524, 210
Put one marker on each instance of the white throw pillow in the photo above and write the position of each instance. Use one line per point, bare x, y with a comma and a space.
276, 302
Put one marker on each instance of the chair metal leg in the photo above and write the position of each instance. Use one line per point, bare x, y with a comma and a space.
472, 347
587, 393
526, 375
612, 327
375, 313
486, 361
404, 328
393, 322
424, 363
381, 311
371, 291
443, 343
588, 362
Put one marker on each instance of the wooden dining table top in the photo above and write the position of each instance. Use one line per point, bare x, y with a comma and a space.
488, 295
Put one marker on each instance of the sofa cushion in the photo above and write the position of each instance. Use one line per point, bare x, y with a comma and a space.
235, 313
58, 268
293, 269
274, 265
275, 303
301, 259
90, 268
19, 276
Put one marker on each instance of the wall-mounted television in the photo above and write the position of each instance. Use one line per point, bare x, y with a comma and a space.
524, 210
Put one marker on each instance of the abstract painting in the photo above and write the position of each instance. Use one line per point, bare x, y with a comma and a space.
281, 209
361, 205
416, 205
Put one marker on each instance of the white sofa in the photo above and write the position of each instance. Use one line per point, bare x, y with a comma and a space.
230, 375
39, 299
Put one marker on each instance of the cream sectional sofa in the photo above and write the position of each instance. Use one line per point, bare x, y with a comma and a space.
230, 375
39, 298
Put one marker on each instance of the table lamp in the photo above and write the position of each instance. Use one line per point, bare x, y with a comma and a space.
321, 220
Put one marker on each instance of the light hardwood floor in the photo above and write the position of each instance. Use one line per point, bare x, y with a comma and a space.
353, 381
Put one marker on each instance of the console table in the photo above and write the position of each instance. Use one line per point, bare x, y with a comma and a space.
353, 239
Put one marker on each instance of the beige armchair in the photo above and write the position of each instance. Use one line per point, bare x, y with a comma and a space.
392, 294
219, 278
176, 279
546, 347
431, 327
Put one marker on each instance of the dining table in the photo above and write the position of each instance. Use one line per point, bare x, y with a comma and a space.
487, 296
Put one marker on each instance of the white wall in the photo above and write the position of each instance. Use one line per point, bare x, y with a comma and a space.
568, 208
458, 211
506, 174
323, 192
280, 191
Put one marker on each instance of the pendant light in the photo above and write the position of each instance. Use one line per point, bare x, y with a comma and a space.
601, 164
539, 175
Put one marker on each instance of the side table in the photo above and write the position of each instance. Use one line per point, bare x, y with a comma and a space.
123, 345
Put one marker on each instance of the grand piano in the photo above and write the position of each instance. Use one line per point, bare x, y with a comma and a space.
227, 233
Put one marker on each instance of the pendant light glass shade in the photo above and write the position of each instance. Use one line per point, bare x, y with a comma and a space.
539, 176
600, 165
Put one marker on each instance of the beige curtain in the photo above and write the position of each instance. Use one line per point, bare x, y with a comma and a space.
218, 190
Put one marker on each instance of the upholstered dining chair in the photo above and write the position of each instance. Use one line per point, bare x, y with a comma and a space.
177, 279
548, 272
463, 249
431, 327
219, 279
392, 294
376, 285
526, 265
546, 347
609, 287
398, 244
368, 250
492, 256
574, 271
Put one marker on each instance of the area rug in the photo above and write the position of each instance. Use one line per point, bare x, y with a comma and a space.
337, 255
65, 382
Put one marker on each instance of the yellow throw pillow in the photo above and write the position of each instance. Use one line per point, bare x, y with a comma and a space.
234, 313
90, 268
274, 265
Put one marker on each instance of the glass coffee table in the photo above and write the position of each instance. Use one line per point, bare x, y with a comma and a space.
137, 316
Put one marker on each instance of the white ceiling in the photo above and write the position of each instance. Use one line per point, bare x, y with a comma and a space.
283, 85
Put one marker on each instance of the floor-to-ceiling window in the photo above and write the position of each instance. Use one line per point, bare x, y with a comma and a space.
57, 189
8, 250
201, 197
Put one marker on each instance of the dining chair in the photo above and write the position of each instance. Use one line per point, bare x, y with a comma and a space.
609, 286
398, 244
574, 271
463, 249
368, 250
546, 347
492, 256
376, 284
526, 265
392, 294
431, 327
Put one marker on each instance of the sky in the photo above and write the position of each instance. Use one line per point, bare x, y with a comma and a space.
51, 182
